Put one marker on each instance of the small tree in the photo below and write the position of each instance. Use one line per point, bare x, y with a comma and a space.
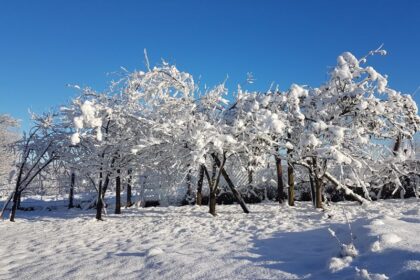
37, 149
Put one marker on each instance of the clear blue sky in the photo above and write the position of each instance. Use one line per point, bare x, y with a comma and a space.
45, 45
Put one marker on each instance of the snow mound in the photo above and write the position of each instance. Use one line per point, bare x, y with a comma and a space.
377, 223
363, 274
348, 250
154, 252
390, 238
376, 246
337, 264
411, 270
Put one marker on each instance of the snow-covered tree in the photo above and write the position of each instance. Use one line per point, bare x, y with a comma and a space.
345, 119
37, 150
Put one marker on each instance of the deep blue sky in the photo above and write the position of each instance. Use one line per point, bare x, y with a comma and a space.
45, 45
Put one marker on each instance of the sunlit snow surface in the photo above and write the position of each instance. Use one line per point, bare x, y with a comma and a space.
273, 242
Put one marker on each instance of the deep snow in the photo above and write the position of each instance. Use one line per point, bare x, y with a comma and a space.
272, 242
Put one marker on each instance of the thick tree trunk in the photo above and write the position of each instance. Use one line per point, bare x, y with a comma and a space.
231, 186
71, 192
129, 203
199, 197
280, 186
118, 193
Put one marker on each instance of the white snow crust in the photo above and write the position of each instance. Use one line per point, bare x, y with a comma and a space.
272, 242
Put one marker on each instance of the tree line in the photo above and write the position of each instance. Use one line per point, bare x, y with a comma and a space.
160, 121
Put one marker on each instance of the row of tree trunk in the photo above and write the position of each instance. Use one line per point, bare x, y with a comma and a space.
218, 170
103, 185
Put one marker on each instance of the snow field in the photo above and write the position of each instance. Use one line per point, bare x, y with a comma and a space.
272, 242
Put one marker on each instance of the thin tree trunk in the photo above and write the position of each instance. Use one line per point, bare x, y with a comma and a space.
280, 186
235, 193
118, 193
129, 203
338, 185
199, 197
71, 193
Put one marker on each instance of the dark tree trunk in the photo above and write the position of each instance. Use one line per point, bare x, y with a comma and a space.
16, 195
190, 193
213, 190
318, 192
199, 198
14, 206
99, 199
280, 186
71, 192
291, 183
118, 193
250, 177
231, 186
397, 145
19, 200
129, 203
212, 203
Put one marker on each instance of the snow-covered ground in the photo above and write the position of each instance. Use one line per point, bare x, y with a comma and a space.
272, 242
